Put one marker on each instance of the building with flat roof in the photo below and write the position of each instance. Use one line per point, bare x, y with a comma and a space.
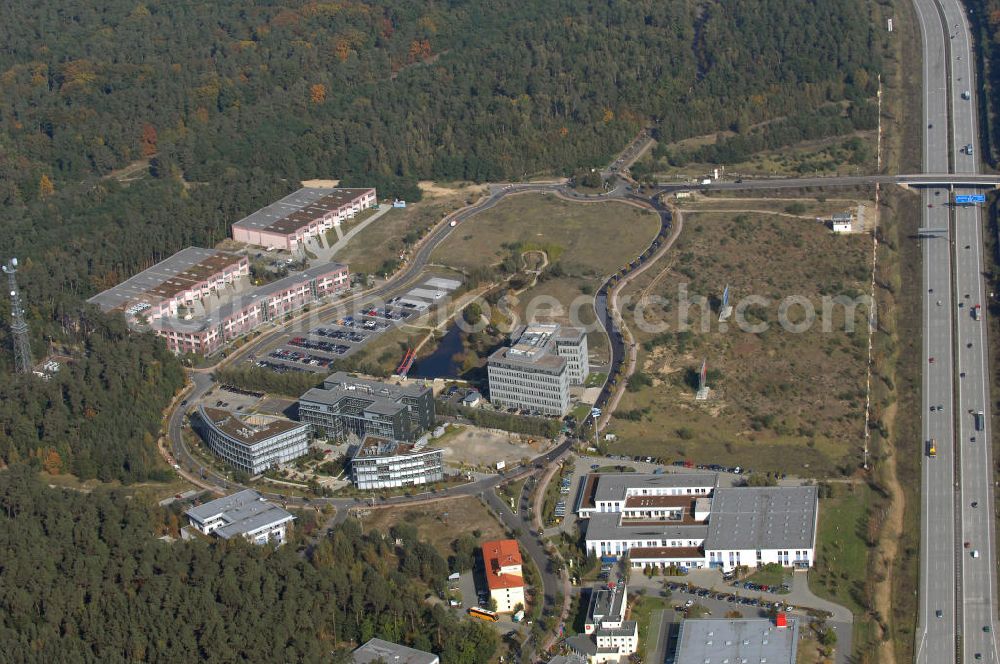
386, 652
721, 641
175, 282
251, 443
534, 373
289, 223
377, 651
756, 526
571, 658
211, 330
607, 636
684, 520
245, 514
382, 463
504, 576
350, 404
611, 492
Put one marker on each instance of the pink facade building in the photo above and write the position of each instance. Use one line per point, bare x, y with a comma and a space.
289, 223
209, 333
185, 278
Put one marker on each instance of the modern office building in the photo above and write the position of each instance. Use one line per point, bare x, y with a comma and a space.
535, 373
245, 514
348, 404
755, 640
607, 636
208, 332
382, 463
618, 492
377, 651
756, 526
200, 299
289, 223
504, 576
687, 522
174, 283
251, 443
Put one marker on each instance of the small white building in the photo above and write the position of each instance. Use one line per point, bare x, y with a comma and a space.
842, 222
607, 636
244, 513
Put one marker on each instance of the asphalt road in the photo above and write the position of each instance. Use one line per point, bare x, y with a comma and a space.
977, 524
953, 582
930, 178
936, 640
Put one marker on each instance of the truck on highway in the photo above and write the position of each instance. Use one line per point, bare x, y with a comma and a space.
979, 418
977, 312
932, 448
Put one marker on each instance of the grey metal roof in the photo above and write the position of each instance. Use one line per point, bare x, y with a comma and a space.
763, 518
613, 487
376, 387
244, 511
139, 287
391, 653
715, 641
606, 602
572, 658
605, 526
221, 313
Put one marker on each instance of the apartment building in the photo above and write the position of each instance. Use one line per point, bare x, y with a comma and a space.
242, 514
350, 404
381, 463
252, 443
535, 373
504, 576
291, 222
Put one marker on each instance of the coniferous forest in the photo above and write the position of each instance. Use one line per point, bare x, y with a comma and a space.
130, 129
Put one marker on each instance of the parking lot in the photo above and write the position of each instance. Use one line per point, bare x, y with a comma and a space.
322, 345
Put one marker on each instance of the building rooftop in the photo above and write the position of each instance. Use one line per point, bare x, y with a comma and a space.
346, 381
637, 502
378, 650
299, 209
763, 518
717, 641
235, 304
534, 346
606, 601
615, 487
244, 512
498, 554
374, 447
572, 658
244, 431
171, 276
665, 552
607, 526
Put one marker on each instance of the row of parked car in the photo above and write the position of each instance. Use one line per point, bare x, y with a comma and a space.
727, 597
762, 587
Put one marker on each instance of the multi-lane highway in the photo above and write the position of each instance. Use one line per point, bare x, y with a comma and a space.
938, 602
975, 497
957, 595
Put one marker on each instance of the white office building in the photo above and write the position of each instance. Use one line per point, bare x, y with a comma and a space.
252, 443
380, 463
245, 514
535, 373
607, 636
725, 528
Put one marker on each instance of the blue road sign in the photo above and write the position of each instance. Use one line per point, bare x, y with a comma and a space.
967, 199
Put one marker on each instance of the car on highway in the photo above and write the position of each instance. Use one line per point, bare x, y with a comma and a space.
939, 613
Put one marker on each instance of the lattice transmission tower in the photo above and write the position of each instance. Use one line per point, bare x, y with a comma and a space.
18, 326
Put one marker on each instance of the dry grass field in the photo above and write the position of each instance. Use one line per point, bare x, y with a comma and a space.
441, 522
781, 400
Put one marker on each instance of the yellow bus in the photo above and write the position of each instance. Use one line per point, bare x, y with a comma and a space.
483, 614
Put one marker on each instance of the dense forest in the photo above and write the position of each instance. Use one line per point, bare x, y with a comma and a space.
130, 130
85, 579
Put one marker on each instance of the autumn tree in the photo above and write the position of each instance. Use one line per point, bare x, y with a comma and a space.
148, 140
45, 186
52, 463
317, 93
